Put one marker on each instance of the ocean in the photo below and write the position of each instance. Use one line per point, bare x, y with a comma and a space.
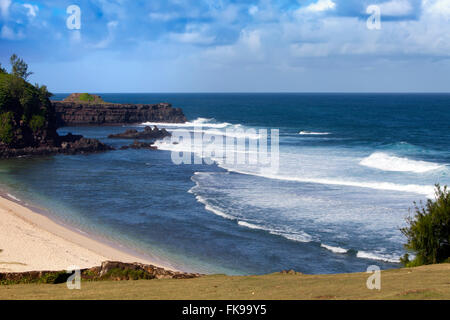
351, 167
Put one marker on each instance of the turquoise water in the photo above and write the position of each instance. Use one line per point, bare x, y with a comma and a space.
351, 166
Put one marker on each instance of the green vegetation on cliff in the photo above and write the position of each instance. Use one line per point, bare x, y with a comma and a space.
84, 98
26, 113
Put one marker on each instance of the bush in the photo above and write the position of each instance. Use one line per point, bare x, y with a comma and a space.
21, 100
127, 274
86, 97
37, 122
428, 232
6, 127
54, 277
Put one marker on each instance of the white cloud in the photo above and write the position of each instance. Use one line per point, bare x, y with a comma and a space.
4, 7
194, 34
287, 42
437, 7
32, 10
253, 10
75, 37
105, 42
251, 39
396, 8
321, 5
9, 34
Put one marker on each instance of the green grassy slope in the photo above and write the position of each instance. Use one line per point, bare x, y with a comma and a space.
426, 282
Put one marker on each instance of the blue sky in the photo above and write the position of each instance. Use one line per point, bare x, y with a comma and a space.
231, 45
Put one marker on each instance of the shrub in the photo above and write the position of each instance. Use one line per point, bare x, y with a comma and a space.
6, 127
428, 232
86, 97
37, 122
127, 274
54, 277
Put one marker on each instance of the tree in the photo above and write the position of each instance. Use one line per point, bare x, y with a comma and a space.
2, 70
19, 67
428, 232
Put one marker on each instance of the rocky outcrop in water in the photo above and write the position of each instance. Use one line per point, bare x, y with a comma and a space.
147, 134
109, 270
70, 144
139, 145
70, 113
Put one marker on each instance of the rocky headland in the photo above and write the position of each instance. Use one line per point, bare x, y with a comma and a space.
28, 125
29, 120
92, 110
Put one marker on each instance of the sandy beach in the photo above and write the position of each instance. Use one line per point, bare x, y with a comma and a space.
30, 241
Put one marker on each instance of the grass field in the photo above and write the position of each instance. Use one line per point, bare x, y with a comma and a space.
426, 282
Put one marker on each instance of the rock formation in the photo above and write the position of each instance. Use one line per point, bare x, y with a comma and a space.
81, 146
147, 134
75, 113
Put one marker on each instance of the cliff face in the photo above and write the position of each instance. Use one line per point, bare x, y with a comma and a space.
79, 113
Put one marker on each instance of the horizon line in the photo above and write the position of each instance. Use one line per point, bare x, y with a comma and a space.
261, 92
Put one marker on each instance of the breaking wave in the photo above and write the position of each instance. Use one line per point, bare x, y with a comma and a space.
385, 162
334, 249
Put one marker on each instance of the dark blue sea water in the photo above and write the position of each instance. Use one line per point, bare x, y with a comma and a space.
351, 166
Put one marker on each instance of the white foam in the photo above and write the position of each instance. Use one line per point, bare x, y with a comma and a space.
232, 132
250, 225
412, 188
298, 237
294, 236
12, 197
311, 133
203, 122
214, 209
334, 249
385, 162
380, 257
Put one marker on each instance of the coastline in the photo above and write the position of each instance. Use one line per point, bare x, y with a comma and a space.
31, 241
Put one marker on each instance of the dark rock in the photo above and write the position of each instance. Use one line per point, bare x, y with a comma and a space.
148, 133
84, 145
69, 144
79, 113
139, 145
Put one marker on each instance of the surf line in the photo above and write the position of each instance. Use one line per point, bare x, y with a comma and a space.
234, 147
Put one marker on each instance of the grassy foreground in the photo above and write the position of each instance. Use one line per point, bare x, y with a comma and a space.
426, 282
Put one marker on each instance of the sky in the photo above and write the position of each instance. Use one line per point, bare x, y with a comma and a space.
231, 45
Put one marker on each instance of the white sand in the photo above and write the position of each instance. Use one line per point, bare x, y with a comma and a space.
32, 242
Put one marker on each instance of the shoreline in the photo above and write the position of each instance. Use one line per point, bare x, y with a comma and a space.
32, 241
